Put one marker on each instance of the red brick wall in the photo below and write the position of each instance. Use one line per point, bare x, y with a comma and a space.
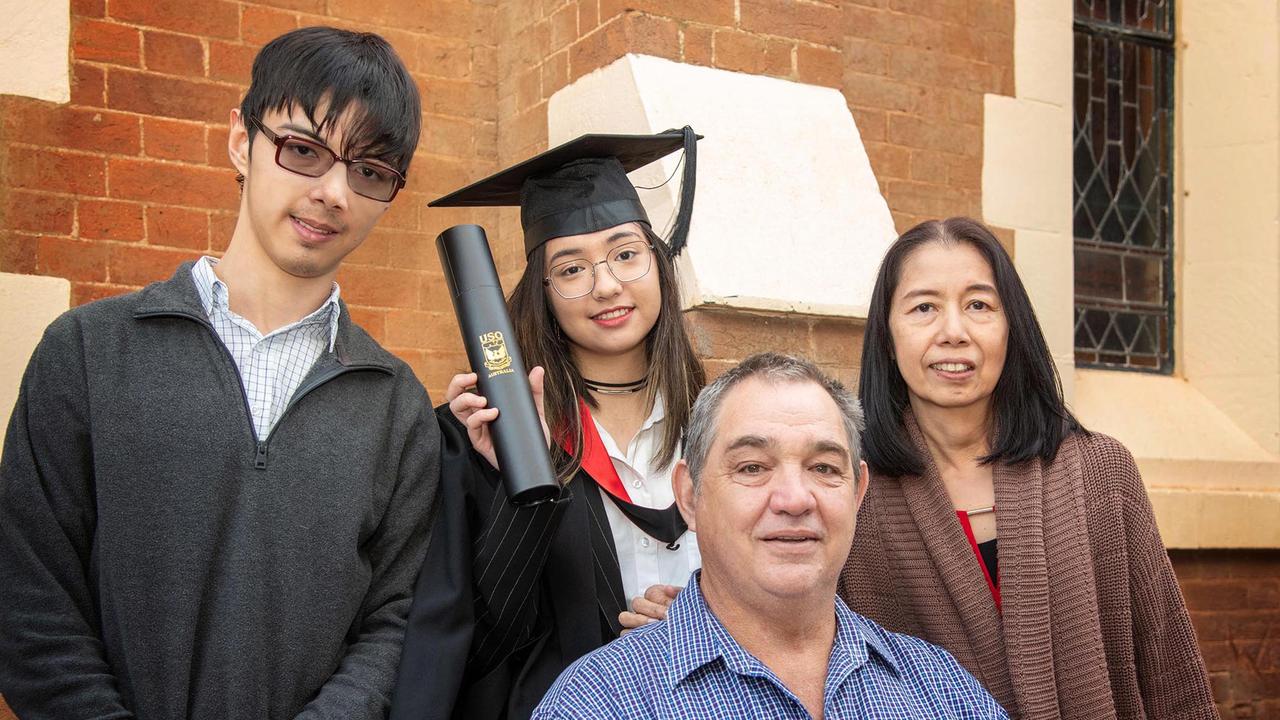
913, 72
115, 189
1234, 600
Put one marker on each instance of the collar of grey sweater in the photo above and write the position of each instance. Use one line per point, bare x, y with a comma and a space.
178, 296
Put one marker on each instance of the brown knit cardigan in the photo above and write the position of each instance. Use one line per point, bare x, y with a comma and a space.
1094, 625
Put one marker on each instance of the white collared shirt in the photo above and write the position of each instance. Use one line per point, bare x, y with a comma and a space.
644, 560
271, 366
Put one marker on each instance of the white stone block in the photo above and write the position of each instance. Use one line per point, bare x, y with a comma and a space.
788, 215
34, 49
1026, 169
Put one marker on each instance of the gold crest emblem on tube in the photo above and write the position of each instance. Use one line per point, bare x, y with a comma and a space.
496, 358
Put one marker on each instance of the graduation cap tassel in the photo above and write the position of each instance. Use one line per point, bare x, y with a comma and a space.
680, 232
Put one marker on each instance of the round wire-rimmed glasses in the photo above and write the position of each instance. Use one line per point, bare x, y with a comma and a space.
573, 279
312, 159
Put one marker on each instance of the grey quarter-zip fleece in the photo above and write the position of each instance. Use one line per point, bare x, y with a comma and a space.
158, 561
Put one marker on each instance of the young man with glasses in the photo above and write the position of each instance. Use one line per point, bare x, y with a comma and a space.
214, 491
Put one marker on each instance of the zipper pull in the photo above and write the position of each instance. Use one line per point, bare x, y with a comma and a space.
260, 459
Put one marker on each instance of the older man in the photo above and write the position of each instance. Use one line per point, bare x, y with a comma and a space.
771, 482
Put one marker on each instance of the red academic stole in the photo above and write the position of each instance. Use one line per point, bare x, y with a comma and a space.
595, 459
665, 524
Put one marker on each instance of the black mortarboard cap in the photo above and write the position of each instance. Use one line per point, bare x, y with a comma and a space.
581, 186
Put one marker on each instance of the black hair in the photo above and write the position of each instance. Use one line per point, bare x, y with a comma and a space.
315, 65
1030, 417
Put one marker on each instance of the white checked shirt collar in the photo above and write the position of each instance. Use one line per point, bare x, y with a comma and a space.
272, 366
214, 297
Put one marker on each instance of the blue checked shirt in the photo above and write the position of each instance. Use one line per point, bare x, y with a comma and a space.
690, 667
271, 366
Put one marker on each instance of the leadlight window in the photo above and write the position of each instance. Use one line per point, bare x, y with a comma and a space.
1123, 199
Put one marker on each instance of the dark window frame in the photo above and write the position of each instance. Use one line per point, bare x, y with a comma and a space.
1123, 311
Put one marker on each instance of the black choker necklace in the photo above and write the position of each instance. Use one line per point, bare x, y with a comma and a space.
625, 388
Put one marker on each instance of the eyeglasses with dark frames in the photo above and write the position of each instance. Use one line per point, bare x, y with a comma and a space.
303, 156
573, 279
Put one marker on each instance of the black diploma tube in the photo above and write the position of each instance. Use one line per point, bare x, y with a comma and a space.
495, 358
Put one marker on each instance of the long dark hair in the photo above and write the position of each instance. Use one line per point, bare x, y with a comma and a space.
1030, 417
675, 371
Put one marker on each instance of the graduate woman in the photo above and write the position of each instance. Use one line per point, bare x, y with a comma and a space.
509, 596
996, 526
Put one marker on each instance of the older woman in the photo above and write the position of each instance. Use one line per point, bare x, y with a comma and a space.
996, 526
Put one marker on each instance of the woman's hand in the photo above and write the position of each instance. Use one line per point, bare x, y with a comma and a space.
471, 410
650, 608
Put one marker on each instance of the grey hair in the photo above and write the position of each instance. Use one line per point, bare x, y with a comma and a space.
773, 367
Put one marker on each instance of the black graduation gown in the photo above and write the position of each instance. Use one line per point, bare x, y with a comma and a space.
508, 597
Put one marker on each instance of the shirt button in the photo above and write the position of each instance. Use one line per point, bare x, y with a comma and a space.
637, 484
644, 542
